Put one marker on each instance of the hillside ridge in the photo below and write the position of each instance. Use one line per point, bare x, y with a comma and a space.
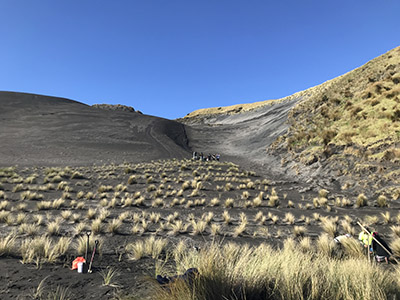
44, 130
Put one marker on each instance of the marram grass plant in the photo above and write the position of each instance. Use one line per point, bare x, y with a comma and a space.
242, 272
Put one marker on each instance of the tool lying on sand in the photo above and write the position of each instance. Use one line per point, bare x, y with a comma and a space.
96, 243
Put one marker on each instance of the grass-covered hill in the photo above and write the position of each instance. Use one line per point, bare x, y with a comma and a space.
350, 126
42, 130
346, 129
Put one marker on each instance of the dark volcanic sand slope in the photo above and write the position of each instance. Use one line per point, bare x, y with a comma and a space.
243, 137
41, 130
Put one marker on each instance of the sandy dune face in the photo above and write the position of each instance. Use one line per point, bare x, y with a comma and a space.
242, 137
40, 130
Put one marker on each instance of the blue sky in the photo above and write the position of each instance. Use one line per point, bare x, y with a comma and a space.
170, 57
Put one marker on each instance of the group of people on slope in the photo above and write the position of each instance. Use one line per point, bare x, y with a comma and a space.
373, 244
202, 157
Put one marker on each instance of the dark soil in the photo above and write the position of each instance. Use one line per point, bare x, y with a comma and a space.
46, 140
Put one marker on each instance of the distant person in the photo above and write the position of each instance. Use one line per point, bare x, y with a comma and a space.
194, 155
217, 156
381, 249
365, 238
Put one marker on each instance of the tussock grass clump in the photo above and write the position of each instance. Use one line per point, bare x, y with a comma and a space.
53, 228
42, 249
273, 200
132, 179
19, 187
386, 217
43, 205
97, 226
371, 220
382, 201
4, 205
214, 202
105, 188
257, 201
79, 228
245, 195
80, 244
114, 226
299, 231
395, 246
28, 195
109, 277
352, 248
228, 186
323, 193
28, 229
361, 200
198, 226
241, 272
305, 244
395, 231
215, 229
289, 218
7, 245
229, 203
329, 226
347, 227
150, 247
178, 227
325, 245
227, 218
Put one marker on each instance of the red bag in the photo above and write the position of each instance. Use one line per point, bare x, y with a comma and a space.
76, 261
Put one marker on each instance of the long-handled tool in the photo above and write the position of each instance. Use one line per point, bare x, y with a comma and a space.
369, 234
88, 233
96, 243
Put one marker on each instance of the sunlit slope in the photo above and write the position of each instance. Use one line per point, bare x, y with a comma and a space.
351, 125
242, 108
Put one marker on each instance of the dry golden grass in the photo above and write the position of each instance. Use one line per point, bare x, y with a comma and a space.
299, 231
277, 274
227, 217
151, 247
198, 227
329, 226
113, 227
395, 231
361, 200
40, 250
289, 218
352, 248
178, 227
8, 245
80, 244
228, 203
382, 201
395, 246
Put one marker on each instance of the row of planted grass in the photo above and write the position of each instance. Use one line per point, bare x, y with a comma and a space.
234, 271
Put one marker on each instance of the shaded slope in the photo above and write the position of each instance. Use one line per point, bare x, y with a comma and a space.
41, 130
242, 137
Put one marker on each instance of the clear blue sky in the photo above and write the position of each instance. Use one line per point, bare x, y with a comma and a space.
170, 57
